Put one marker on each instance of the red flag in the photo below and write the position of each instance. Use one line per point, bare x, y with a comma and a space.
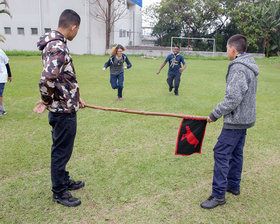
190, 136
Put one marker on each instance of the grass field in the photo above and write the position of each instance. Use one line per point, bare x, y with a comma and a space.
128, 161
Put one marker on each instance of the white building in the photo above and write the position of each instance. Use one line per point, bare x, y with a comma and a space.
32, 18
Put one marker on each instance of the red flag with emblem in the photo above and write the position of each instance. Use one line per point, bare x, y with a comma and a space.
190, 136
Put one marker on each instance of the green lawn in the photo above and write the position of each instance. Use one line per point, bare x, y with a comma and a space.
127, 160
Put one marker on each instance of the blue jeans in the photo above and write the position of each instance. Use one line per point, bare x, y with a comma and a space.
117, 82
228, 155
63, 135
2, 86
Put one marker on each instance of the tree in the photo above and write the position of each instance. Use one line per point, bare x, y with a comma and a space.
108, 12
268, 15
169, 22
206, 18
259, 21
5, 11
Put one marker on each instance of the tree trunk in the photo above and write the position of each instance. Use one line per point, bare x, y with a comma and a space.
108, 25
265, 39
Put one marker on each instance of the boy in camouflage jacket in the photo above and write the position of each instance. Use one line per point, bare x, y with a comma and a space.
60, 95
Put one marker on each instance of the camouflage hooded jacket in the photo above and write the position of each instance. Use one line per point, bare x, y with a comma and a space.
58, 84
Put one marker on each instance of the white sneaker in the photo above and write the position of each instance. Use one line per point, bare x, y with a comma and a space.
3, 113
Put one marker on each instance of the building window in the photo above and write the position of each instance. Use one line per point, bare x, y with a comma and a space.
122, 2
122, 33
7, 30
47, 30
34, 31
20, 30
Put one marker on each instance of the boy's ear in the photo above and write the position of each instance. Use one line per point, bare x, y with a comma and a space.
235, 50
73, 27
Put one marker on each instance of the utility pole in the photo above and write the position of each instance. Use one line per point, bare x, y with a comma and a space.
189, 32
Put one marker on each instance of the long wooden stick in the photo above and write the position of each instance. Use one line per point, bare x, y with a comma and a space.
146, 112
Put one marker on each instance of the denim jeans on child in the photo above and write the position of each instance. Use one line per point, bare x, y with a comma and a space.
117, 82
2, 86
228, 155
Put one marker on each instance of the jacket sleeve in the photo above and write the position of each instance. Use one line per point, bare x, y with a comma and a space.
236, 88
108, 63
8, 70
129, 65
183, 60
51, 69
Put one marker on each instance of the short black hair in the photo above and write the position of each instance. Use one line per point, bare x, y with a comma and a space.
239, 42
177, 46
69, 17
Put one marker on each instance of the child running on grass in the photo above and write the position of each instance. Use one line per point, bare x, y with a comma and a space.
5, 75
116, 62
175, 70
239, 112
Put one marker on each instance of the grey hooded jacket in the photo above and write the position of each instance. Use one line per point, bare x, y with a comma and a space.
239, 105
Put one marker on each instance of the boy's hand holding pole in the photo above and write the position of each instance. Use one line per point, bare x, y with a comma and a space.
209, 120
82, 103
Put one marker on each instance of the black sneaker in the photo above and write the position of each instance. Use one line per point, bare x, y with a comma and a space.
170, 88
75, 185
176, 93
66, 199
235, 192
212, 202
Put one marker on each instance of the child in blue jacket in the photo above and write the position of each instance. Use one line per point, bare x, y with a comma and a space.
175, 70
116, 62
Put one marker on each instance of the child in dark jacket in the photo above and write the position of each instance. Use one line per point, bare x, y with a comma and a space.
116, 62
175, 70
61, 96
239, 112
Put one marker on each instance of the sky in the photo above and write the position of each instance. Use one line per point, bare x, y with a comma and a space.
148, 2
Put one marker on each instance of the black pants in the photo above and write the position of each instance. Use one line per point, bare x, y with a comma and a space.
64, 128
176, 79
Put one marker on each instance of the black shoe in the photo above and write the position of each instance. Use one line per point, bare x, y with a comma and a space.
75, 185
176, 93
212, 202
66, 199
235, 192
170, 88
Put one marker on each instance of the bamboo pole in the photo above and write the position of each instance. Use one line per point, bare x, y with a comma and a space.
146, 112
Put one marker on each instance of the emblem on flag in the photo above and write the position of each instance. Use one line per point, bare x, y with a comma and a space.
190, 136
